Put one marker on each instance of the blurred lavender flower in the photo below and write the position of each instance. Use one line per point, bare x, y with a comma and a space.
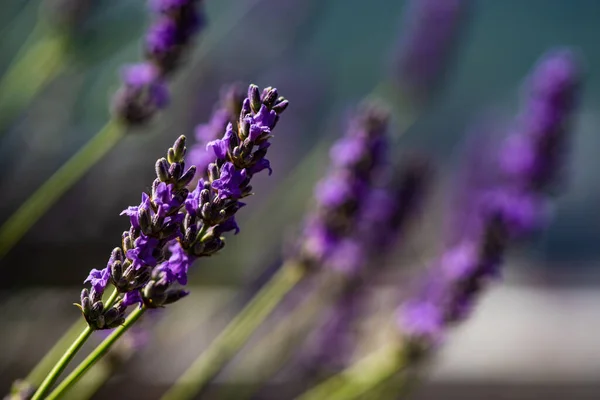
355, 160
226, 111
172, 226
384, 216
433, 27
144, 91
167, 39
506, 211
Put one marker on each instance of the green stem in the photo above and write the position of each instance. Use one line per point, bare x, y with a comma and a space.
235, 335
61, 181
36, 376
40, 60
62, 364
95, 355
66, 358
361, 377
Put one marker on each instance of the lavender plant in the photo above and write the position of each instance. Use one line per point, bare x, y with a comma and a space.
338, 198
143, 93
504, 212
172, 227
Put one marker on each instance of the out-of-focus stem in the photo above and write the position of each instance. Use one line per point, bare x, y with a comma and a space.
361, 377
236, 334
40, 60
62, 180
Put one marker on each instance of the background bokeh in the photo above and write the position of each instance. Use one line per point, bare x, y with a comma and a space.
537, 334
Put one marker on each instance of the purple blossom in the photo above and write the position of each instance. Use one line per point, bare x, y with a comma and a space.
229, 184
179, 262
143, 93
347, 257
341, 195
165, 199
144, 252
170, 34
422, 320
509, 207
98, 279
133, 297
221, 146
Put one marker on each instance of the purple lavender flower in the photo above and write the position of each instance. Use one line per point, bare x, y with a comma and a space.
171, 33
142, 94
427, 43
508, 209
144, 91
355, 160
172, 227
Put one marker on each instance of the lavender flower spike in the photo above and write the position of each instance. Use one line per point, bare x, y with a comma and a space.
155, 223
427, 43
507, 211
211, 208
355, 160
144, 91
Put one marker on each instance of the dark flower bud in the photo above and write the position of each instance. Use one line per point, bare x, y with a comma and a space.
169, 231
96, 309
204, 196
86, 305
117, 254
171, 156
213, 172
254, 96
172, 296
281, 105
175, 171
246, 110
84, 294
179, 149
187, 177
162, 170
95, 296
244, 128
269, 96
127, 243
212, 245
145, 221
116, 271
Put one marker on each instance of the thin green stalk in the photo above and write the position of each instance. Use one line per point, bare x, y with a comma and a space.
95, 355
67, 356
280, 343
36, 376
61, 181
62, 363
235, 335
40, 60
361, 377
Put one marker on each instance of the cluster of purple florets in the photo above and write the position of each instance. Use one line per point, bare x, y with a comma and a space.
341, 195
173, 226
511, 208
144, 90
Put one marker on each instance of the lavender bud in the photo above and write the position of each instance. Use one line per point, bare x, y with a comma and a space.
162, 169
187, 177
179, 149
280, 106
254, 97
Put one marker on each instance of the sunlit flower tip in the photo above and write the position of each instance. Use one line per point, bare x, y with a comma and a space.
421, 321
